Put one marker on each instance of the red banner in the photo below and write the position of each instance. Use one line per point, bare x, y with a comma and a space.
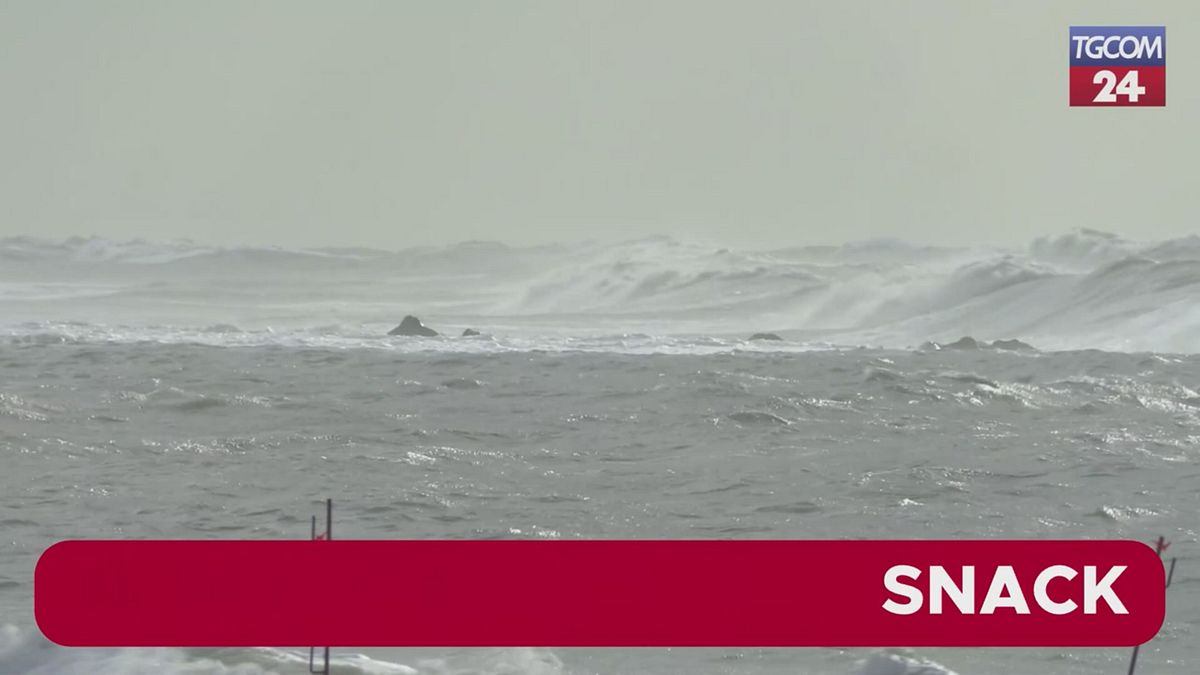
599, 593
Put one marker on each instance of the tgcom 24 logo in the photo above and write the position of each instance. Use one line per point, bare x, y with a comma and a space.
1118, 66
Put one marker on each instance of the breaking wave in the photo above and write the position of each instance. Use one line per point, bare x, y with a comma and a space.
28, 653
1081, 290
25, 652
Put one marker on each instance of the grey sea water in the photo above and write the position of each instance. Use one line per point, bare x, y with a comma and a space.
145, 440
148, 396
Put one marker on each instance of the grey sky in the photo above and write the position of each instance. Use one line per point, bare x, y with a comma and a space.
744, 123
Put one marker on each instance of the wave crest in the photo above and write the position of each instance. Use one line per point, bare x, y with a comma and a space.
1085, 289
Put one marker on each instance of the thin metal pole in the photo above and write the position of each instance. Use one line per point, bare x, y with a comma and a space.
328, 537
1160, 547
312, 651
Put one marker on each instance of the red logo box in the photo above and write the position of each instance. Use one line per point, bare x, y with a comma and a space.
1118, 66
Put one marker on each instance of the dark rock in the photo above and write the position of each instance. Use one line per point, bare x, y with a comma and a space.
966, 342
765, 336
971, 343
1013, 346
470, 332
411, 325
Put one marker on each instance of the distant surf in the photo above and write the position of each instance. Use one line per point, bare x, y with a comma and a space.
1083, 290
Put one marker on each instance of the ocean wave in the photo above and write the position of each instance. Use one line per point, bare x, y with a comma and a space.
1080, 290
327, 339
26, 652
142, 252
892, 663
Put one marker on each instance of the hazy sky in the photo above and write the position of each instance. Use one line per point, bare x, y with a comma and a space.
744, 123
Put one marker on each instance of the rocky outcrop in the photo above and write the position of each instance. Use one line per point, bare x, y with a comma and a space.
965, 342
765, 336
412, 326
1013, 346
470, 332
968, 342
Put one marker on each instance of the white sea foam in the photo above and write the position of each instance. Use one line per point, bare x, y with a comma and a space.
1076, 291
26, 652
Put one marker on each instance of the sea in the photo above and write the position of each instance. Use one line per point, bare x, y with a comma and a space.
179, 390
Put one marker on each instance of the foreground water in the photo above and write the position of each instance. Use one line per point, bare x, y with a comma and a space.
437, 439
180, 390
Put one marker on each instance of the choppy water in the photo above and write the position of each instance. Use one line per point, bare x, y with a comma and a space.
196, 404
196, 441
